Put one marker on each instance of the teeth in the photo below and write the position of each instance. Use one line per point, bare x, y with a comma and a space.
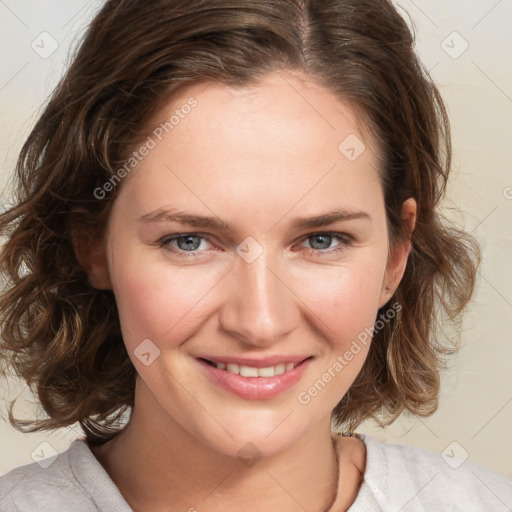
266, 372
233, 368
249, 371
279, 368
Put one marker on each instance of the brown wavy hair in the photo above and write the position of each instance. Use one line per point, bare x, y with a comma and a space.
63, 336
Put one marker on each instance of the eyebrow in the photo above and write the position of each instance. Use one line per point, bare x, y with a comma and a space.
200, 221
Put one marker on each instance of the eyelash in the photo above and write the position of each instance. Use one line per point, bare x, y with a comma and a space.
345, 239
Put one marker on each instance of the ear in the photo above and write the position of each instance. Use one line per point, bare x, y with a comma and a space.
91, 255
398, 254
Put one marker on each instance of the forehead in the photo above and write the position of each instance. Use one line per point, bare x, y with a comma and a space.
284, 110
283, 140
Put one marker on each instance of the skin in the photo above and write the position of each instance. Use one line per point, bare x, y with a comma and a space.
257, 158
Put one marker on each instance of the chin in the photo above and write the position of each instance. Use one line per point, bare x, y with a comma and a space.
254, 435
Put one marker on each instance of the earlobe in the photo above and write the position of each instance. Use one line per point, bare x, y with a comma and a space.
399, 254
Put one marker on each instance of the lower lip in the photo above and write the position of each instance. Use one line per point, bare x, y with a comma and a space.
254, 388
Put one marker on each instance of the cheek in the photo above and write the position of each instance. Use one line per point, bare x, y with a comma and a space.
345, 304
345, 299
158, 303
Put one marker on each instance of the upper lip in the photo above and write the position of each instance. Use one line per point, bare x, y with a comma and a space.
263, 362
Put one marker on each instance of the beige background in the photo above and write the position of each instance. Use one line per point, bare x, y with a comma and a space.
475, 415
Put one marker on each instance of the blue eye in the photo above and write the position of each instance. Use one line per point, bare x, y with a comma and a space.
325, 239
187, 244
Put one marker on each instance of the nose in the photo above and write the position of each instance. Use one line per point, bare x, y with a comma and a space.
260, 308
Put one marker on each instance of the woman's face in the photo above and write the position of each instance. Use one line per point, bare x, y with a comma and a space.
252, 279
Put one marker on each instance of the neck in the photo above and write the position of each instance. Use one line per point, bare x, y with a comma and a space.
156, 463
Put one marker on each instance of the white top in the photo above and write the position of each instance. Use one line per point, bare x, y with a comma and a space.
397, 478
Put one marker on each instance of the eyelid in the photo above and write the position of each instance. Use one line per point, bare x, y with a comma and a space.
336, 234
345, 241
165, 241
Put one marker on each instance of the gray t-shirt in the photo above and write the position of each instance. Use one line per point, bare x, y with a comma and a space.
397, 478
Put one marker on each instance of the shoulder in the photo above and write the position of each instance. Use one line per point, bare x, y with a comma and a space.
73, 480
30, 486
410, 478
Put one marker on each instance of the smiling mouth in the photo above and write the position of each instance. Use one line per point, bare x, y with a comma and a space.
251, 371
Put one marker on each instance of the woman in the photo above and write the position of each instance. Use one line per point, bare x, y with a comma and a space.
227, 226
